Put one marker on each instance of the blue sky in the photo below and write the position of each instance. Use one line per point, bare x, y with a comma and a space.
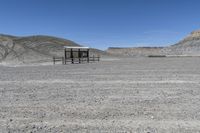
103, 23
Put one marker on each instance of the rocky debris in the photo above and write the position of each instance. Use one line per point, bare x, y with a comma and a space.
137, 95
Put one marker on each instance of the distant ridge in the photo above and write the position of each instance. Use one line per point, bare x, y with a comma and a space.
189, 46
41, 48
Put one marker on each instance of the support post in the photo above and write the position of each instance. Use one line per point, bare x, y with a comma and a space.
79, 55
65, 58
88, 56
54, 60
72, 56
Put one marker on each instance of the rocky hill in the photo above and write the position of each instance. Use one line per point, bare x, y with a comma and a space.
188, 46
33, 49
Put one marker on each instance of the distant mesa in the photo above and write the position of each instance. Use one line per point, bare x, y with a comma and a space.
135, 51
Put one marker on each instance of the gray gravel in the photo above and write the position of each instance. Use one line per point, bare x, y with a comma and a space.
138, 95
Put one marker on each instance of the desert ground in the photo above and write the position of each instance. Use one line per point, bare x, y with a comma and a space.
134, 95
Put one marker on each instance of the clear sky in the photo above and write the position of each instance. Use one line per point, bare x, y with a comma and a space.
102, 23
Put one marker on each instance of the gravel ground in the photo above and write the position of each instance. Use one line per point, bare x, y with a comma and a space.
138, 95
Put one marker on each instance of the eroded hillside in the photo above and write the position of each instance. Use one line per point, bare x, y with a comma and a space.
34, 49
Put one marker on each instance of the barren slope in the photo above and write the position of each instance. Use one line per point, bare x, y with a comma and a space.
33, 48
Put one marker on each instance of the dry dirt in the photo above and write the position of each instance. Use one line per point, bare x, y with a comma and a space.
139, 95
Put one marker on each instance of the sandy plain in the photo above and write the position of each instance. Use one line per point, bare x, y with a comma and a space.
138, 95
